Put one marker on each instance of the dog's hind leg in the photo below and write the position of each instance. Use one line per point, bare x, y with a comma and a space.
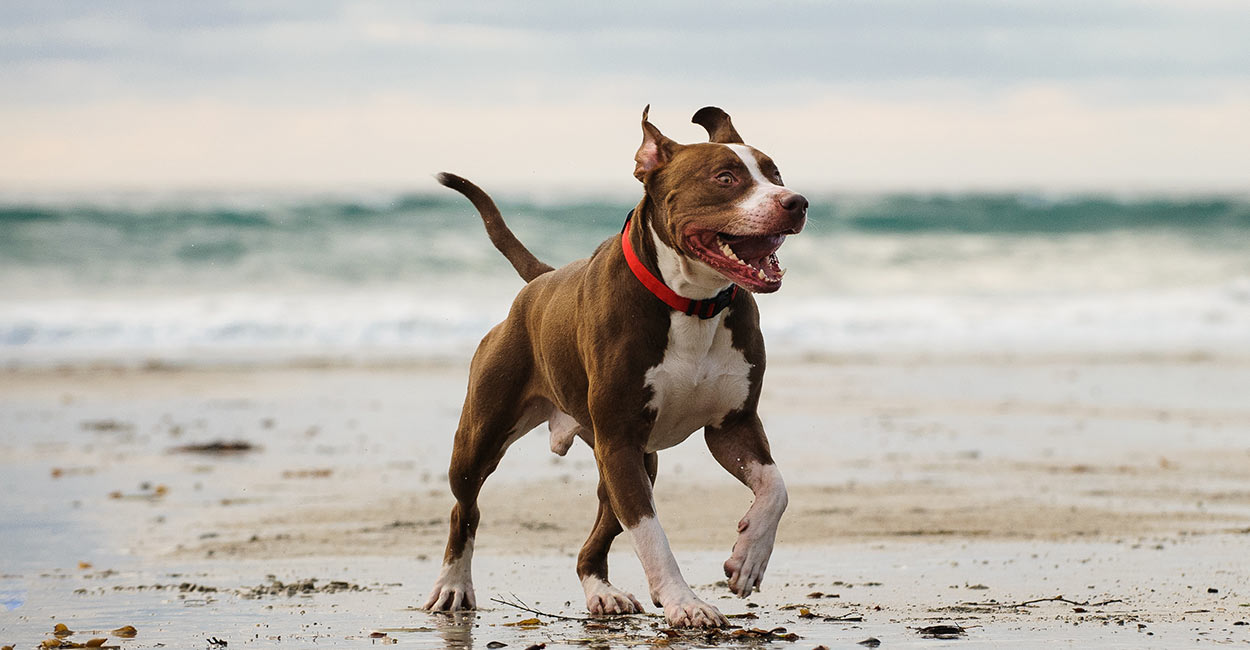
453, 590
493, 418
592, 562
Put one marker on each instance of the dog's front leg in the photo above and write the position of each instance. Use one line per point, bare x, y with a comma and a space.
742, 448
623, 468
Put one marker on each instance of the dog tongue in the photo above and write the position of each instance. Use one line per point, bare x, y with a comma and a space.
753, 248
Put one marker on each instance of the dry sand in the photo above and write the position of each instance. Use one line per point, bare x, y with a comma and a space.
923, 491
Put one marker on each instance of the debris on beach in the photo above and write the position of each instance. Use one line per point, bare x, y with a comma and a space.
527, 622
126, 632
775, 634
301, 587
60, 472
216, 448
402, 523
324, 472
147, 492
718, 635
806, 612
618, 627
56, 644
942, 632
992, 605
106, 425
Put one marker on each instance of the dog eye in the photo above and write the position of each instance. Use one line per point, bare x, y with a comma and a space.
725, 178
777, 177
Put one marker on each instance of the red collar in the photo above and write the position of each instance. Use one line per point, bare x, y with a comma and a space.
702, 308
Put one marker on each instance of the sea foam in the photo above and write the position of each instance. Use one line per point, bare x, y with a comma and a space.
412, 279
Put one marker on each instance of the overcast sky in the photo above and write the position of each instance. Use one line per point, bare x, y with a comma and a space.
545, 95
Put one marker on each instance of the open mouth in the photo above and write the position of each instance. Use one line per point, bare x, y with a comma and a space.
749, 261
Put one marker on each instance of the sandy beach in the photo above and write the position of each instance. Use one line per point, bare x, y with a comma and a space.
1050, 500
1008, 382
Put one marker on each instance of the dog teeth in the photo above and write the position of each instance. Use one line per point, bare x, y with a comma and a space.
769, 262
729, 252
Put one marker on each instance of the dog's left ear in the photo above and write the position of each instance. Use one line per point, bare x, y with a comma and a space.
719, 128
656, 149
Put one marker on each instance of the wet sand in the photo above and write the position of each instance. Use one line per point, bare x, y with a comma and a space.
959, 491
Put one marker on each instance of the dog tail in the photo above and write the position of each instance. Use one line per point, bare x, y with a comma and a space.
528, 266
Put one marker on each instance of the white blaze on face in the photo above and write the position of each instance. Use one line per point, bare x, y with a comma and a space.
760, 201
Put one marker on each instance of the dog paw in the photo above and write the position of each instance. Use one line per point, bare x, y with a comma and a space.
450, 597
746, 564
693, 612
602, 598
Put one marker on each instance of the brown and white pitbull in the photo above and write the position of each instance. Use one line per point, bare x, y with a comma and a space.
633, 350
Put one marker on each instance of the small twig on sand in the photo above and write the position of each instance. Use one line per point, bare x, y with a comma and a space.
520, 604
1054, 599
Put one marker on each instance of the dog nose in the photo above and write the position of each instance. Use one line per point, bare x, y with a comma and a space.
794, 203
794, 207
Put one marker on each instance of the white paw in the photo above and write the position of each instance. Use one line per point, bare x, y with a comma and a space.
692, 612
454, 588
450, 598
746, 564
602, 598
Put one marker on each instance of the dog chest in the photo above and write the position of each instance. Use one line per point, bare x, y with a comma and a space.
700, 379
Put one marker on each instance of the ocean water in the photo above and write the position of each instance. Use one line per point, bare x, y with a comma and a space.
255, 279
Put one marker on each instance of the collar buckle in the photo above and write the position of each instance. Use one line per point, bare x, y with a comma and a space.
710, 307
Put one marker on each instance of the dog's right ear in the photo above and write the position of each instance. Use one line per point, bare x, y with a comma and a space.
656, 149
719, 127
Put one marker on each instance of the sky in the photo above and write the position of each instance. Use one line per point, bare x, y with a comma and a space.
544, 96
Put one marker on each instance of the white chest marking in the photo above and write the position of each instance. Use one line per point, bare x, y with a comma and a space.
701, 378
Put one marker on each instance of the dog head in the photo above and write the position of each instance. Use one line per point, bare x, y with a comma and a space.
721, 203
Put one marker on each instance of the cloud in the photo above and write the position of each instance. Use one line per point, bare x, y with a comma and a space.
887, 93
477, 50
1042, 137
